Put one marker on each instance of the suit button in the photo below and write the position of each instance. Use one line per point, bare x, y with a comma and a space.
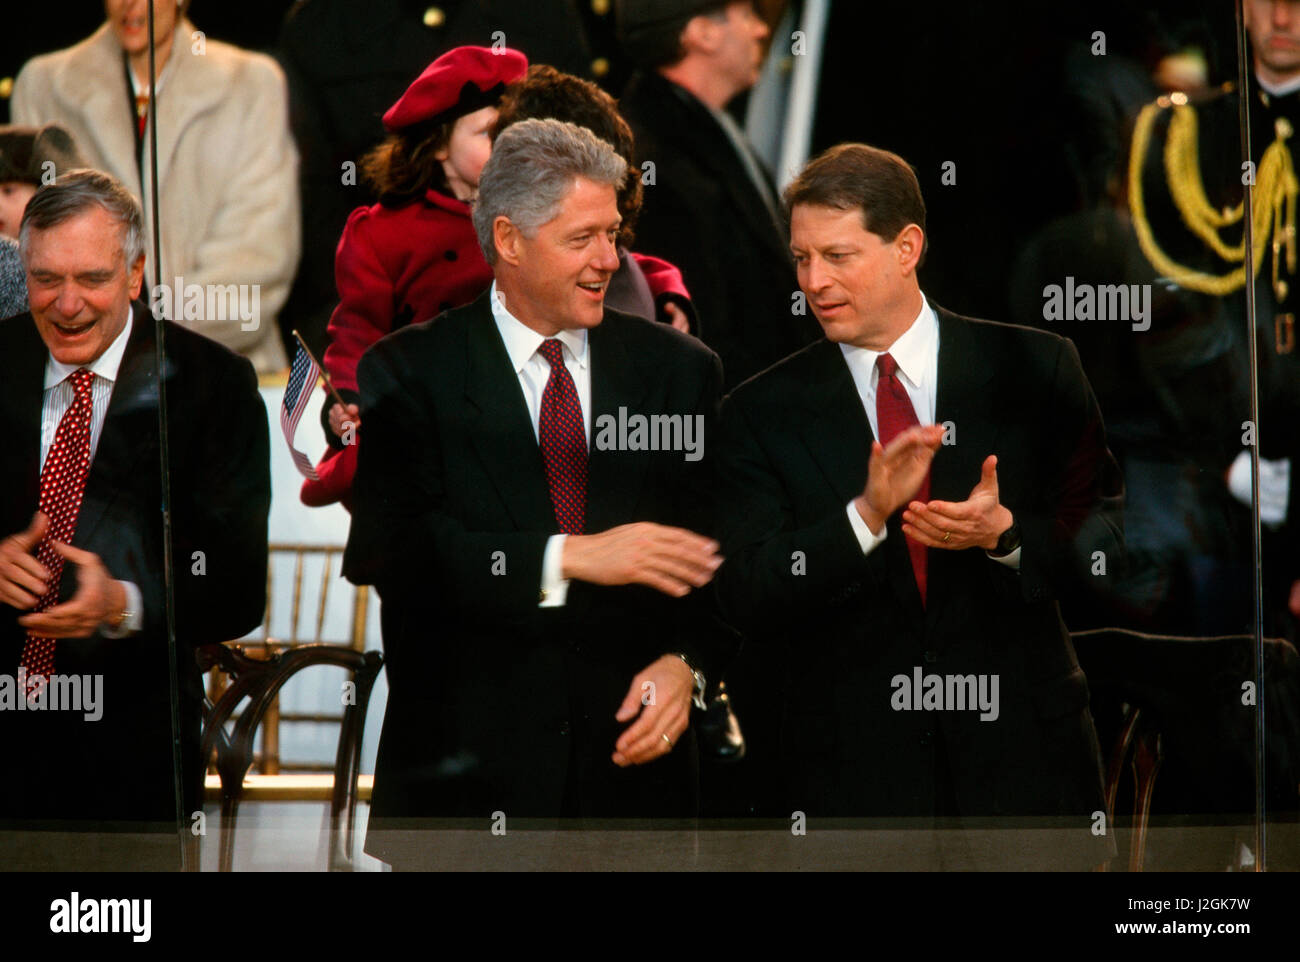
931, 656
927, 737
564, 728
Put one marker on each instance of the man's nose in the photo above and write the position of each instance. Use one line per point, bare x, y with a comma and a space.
1282, 13
607, 255
814, 276
69, 302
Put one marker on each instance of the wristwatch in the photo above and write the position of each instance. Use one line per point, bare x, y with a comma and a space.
1008, 542
697, 699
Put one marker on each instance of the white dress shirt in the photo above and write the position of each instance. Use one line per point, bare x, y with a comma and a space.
916, 352
56, 400
534, 371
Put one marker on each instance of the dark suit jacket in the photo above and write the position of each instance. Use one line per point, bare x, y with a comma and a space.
794, 451
120, 767
704, 214
495, 703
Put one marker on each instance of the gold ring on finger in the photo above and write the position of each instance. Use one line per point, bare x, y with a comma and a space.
665, 737
947, 536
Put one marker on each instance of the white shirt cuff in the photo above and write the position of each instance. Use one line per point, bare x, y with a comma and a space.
866, 540
1274, 486
1010, 560
134, 613
555, 588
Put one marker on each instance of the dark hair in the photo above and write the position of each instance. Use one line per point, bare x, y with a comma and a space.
880, 184
403, 167
76, 192
654, 45
549, 93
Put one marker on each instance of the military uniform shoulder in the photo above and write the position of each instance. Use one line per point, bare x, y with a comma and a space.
1223, 94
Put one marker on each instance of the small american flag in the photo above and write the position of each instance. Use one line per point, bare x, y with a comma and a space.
297, 395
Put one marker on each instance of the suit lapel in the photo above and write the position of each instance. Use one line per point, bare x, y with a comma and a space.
95, 87
501, 429
838, 435
130, 430
835, 428
964, 402
182, 97
614, 478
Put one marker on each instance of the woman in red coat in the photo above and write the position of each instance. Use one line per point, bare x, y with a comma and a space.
415, 254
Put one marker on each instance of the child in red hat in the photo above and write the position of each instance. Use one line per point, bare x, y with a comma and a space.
414, 254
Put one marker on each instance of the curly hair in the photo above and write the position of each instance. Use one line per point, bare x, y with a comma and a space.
546, 93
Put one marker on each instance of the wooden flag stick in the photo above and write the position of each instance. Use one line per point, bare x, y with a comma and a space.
323, 373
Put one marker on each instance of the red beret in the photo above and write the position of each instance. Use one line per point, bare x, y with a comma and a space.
461, 81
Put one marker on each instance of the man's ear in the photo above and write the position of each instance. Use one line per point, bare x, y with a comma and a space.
700, 35
135, 277
909, 244
506, 237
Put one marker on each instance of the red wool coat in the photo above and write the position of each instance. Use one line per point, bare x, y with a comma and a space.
399, 266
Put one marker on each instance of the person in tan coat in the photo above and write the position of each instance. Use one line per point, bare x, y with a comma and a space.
227, 169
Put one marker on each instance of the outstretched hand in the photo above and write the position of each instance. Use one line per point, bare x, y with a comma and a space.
895, 473
977, 522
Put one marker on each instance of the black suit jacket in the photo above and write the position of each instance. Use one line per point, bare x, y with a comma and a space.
495, 703
795, 447
120, 768
704, 214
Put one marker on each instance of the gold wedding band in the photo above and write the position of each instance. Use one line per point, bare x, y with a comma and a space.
667, 739
946, 536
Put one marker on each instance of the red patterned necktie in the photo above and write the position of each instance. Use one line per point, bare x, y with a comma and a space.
563, 440
894, 415
63, 482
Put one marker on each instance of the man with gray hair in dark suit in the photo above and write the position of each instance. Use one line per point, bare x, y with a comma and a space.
542, 627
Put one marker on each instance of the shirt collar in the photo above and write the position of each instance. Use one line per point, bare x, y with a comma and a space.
911, 351
522, 341
105, 365
1279, 90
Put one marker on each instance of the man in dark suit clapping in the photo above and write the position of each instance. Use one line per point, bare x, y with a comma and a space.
82, 593
903, 503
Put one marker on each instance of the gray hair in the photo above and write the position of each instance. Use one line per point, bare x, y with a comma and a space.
532, 167
76, 192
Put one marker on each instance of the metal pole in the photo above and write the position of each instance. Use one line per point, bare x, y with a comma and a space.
164, 455
1248, 242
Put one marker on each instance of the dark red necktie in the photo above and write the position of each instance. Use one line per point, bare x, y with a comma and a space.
63, 482
141, 114
894, 415
563, 440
